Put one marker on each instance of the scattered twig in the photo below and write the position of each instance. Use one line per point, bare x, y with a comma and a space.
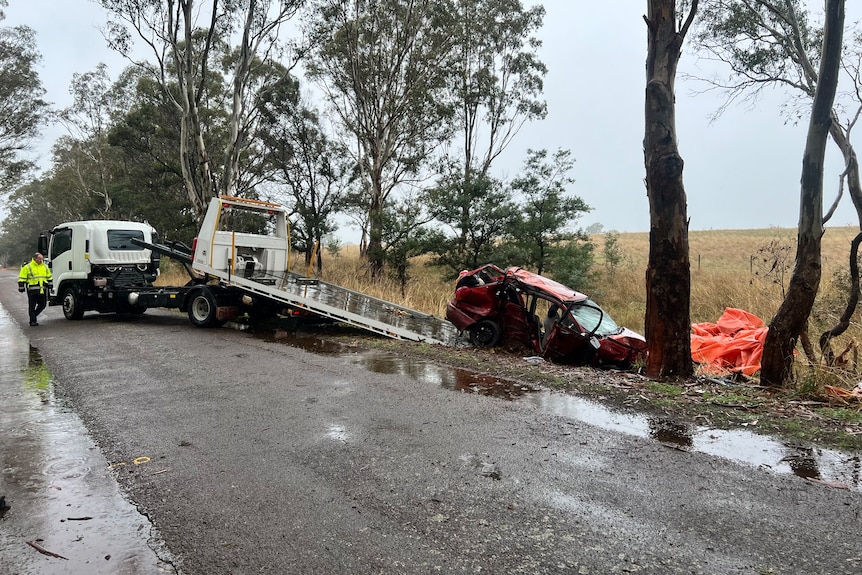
735, 405
44, 551
833, 484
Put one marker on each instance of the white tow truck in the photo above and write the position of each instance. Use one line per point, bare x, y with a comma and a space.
110, 266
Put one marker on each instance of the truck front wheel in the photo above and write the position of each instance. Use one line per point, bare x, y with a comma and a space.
72, 307
202, 308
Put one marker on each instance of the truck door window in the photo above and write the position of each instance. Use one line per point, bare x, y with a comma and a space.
62, 243
120, 240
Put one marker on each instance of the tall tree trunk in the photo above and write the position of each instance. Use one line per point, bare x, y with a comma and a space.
668, 279
375, 227
792, 315
240, 80
194, 159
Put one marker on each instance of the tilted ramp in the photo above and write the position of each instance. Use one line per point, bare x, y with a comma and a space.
354, 308
326, 300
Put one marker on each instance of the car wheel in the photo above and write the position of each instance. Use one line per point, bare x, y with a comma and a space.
485, 333
72, 307
202, 308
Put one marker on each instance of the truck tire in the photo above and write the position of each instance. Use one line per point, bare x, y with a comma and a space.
485, 333
202, 308
72, 307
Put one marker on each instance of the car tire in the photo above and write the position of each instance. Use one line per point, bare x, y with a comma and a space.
72, 307
485, 333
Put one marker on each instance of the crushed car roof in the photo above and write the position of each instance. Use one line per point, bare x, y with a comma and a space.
556, 289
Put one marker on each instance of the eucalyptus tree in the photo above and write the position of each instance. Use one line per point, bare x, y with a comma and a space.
28, 210
385, 67
497, 87
184, 36
668, 275
88, 120
768, 44
792, 316
772, 43
148, 182
547, 215
498, 77
22, 107
312, 167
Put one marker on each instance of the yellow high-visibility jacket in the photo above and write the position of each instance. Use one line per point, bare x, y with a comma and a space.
35, 275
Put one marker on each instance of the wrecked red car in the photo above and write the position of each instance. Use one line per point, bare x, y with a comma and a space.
497, 306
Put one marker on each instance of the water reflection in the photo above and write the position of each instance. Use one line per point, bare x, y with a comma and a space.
669, 431
742, 446
737, 445
52, 476
37, 378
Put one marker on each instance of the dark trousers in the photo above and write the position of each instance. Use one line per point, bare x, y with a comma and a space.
37, 300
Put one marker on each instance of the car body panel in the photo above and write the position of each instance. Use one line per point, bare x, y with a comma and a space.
546, 316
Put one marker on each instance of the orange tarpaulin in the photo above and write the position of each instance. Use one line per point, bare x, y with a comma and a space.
733, 343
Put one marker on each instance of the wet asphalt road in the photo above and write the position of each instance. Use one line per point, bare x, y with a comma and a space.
263, 458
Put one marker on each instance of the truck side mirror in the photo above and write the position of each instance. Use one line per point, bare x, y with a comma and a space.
42, 245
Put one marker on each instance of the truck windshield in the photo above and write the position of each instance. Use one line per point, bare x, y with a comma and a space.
120, 240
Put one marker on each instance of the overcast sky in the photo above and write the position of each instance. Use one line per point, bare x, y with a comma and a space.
741, 172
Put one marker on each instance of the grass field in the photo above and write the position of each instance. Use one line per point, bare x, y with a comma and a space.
745, 269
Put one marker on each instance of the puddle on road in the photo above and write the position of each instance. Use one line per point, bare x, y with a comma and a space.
379, 362
736, 445
59, 496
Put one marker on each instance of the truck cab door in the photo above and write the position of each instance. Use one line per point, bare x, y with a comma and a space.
60, 256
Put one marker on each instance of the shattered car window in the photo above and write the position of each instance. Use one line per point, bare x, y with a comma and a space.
591, 317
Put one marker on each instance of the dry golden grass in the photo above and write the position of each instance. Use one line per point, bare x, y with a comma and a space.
727, 270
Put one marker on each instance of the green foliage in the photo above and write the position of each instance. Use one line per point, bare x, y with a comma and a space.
481, 214
386, 67
498, 77
405, 237
24, 109
312, 167
571, 264
547, 214
763, 43
30, 212
613, 254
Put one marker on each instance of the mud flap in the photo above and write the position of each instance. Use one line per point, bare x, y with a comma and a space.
227, 313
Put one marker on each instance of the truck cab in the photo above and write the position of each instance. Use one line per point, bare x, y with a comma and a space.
92, 261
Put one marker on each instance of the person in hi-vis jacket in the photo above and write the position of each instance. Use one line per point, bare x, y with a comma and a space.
36, 278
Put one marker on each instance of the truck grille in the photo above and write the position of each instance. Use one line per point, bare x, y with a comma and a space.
128, 277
